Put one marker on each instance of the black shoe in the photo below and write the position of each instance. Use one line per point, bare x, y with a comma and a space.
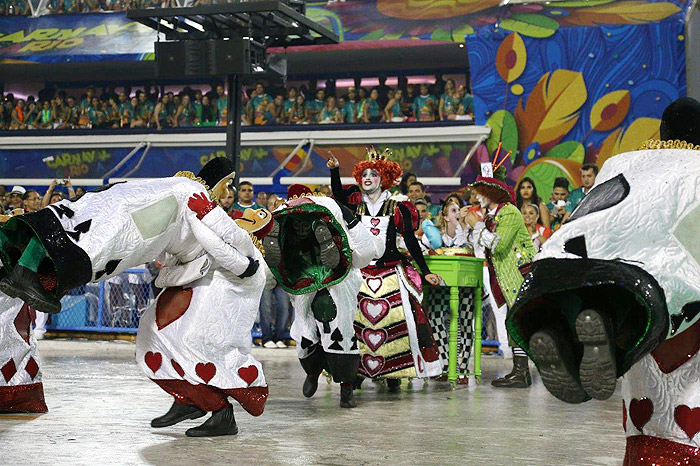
393, 385
221, 422
557, 368
347, 399
310, 385
177, 413
24, 284
271, 243
358, 383
598, 369
519, 377
330, 256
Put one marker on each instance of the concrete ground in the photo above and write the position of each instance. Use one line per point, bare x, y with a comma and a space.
100, 406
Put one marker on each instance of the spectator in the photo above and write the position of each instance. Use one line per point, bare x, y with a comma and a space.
145, 108
124, 102
424, 106
416, 190
407, 180
210, 114
161, 113
370, 108
315, 107
330, 113
261, 198
246, 194
290, 100
451, 227
184, 116
465, 103
18, 116
258, 105
61, 112
87, 97
538, 233
325, 190
221, 104
51, 196
448, 100
96, 115
382, 92
79, 191
422, 207
297, 114
31, 201
227, 200
274, 115
393, 111
114, 117
45, 117
352, 106
589, 172
408, 99
15, 202
526, 194
559, 207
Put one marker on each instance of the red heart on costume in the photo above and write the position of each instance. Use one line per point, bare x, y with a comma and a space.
374, 231
372, 364
206, 371
177, 368
374, 338
32, 368
640, 412
374, 310
153, 360
624, 416
688, 420
374, 222
249, 374
9, 370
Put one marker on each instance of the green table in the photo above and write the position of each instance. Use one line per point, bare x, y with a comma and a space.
459, 271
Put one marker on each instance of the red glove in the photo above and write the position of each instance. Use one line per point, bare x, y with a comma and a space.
199, 204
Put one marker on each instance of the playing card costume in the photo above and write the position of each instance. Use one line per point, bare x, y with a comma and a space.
195, 341
21, 390
101, 234
506, 244
315, 252
615, 292
394, 336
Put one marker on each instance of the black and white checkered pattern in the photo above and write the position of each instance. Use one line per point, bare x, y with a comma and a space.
437, 306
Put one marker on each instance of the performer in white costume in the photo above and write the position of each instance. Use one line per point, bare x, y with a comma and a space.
195, 341
21, 390
615, 292
107, 231
316, 251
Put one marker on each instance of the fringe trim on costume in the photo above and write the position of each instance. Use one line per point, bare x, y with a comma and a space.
193, 177
675, 144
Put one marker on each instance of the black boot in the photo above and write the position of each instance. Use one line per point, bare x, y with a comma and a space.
24, 284
555, 361
347, 399
330, 256
393, 385
519, 377
598, 370
221, 422
358, 383
177, 413
313, 366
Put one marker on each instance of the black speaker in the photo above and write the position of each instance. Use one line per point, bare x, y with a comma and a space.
229, 57
181, 58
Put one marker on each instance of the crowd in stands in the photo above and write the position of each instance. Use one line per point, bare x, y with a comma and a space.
56, 7
155, 108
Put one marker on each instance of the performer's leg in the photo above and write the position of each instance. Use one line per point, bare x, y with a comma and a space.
32, 255
266, 318
282, 315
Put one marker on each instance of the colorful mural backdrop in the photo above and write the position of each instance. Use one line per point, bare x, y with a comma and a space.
579, 94
259, 161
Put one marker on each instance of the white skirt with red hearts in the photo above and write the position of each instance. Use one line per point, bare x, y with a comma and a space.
195, 342
661, 402
21, 390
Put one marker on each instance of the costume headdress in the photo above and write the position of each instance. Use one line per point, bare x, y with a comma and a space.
298, 190
680, 126
389, 171
217, 171
492, 181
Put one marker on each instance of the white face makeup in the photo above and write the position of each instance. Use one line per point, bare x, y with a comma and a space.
483, 200
370, 181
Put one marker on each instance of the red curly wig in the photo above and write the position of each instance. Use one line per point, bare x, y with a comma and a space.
389, 172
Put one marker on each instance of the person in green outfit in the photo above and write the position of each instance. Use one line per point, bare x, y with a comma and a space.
504, 238
314, 107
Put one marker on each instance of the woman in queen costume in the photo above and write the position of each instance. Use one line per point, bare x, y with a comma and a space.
392, 329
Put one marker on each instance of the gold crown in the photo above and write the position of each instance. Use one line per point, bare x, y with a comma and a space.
374, 156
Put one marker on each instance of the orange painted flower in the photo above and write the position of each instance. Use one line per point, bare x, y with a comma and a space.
609, 111
511, 58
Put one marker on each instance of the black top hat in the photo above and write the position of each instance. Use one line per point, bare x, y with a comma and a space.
216, 170
681, 120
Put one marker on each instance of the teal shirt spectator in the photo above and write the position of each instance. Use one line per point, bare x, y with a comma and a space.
468, 103
328, 114
94, 115
396, 109
555, 222
373, 108
122, 107
449, 104
434, 210
197, 109
146, 107
350, 110
576, 197
288, 104
221, 105
421, 109
315, 105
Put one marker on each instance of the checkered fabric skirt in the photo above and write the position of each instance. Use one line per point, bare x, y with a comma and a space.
437, 306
